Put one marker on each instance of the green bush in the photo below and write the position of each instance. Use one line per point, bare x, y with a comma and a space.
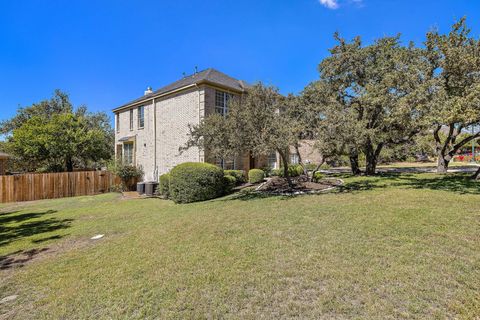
239, 175
317, 176
293, 171
256, 176
128, 174
164, 185
229, 183
192, 181
276, 172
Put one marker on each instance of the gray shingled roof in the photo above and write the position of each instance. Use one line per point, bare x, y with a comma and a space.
209, 75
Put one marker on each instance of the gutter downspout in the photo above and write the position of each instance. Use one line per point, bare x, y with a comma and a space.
155, 167
199, 120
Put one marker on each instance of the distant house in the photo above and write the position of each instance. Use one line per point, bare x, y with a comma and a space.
151, 129
3, 162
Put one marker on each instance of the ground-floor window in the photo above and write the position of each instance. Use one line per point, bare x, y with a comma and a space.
226, 164
294, 158
128, 153
272, 160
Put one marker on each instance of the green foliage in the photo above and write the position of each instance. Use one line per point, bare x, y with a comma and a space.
229, 183
256, 176
258, 123
164, 185
51, 136
191, 182
294, 170
454, 105
238, 174
317, 176
369, 97
128, 174
276, 172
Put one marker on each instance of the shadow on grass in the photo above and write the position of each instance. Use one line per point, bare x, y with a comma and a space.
20, 228
19, 258
458, 183
455, 182
248, 195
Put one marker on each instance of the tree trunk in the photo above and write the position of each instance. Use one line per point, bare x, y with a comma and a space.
300, 161
442, 163
354, 162
476, 175
316, 169
371, 157
69, 164
285, 168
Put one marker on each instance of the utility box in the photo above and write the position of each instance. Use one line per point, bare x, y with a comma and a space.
141, 187
150, 188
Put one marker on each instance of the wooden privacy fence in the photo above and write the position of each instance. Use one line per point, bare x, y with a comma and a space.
37, 186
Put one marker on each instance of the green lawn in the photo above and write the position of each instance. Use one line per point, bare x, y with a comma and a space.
398, 246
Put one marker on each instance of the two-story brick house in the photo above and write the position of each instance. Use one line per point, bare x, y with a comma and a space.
151, 129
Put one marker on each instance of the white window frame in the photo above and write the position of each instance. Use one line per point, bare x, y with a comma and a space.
131, 119
141, 117
129, 157
221, 105
294, 158
272, 160
222, 163
117, 123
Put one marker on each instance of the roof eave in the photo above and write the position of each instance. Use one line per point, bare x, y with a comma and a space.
163, 94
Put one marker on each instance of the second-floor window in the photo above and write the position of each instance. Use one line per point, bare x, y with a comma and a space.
131, 119
221, 102
118, 122
141, 117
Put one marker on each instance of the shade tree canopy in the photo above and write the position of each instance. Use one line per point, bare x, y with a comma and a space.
54, 136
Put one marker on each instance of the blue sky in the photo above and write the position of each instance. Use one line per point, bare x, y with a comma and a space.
106, 52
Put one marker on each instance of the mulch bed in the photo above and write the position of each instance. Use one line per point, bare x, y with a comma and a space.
301, 185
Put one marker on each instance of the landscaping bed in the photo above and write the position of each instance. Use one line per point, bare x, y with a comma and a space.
278, 185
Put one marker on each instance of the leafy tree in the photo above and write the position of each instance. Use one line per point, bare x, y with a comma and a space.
454, 61
323, 124
51, 136
380, 91
257, 122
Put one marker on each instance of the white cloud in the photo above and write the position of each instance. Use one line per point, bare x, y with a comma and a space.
330, 4
334, 4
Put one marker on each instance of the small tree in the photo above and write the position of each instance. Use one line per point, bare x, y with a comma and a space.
257, 122
455, 106
52, 136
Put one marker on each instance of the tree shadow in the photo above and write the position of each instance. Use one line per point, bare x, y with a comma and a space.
8, 217
457, 183
249, 195
10, 233
19, 258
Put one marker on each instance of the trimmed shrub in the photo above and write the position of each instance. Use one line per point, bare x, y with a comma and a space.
276, 173
256, 176
229, 183
239, 175
194, 181
164, 185
293, 171
317, 176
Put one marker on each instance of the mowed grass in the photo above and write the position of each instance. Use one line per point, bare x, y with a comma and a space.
397, 246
